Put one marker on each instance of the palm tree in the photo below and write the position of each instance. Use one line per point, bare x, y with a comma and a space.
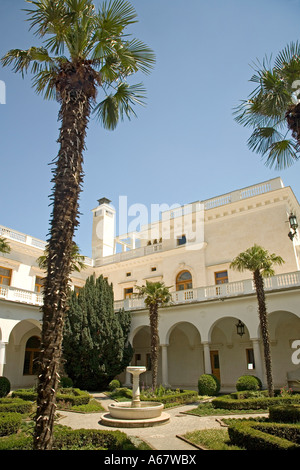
260, 262
83, 51
272, 110
4, 246
77, 259
155, 295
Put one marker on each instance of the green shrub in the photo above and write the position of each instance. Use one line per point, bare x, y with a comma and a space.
285, 413
29, 394
228, 402
66, 382
264, 436
250, 394
208, 384
114, 384
248, 382
9, 423
72, 396
184, 396
17, 405
66, 438
16, 442
4, 387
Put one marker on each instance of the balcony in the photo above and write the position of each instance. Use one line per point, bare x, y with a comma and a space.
200, 294
20, 295
219, 292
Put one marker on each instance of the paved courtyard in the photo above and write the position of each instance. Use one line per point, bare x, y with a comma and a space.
162, 437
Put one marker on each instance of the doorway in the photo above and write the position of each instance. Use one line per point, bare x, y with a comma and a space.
215, 364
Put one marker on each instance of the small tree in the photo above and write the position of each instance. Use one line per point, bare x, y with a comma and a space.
156, 295
260, 262
95, 346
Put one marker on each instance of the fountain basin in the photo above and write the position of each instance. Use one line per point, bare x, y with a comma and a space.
125, 410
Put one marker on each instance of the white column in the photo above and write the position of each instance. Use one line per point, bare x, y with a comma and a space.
207, 362
259, 371
2, 356
164, 365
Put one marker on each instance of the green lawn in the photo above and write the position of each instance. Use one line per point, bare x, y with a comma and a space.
211, 439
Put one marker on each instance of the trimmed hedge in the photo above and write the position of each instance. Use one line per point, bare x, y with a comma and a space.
69, 439
14, 442
74, 396
248, 382
208, 384
185, 396
229, 403
285, 413
25, 393
10, 423
4, 386
264, 436
17, 405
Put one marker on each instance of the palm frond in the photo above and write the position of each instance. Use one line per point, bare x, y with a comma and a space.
120, 105
282, 154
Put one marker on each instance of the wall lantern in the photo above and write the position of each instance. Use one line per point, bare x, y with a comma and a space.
294, 225
240, 328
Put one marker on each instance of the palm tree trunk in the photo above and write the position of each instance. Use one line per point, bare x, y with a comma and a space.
154, 343
262, 311
68, 175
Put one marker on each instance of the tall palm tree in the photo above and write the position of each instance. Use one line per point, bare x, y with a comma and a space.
272, 110
260, 262
83, 51
4, 246
155, 295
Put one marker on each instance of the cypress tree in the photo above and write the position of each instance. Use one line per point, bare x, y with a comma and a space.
95, 345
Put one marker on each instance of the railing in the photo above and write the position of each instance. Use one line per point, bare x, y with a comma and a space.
20, 295
245, 193
220, 291
27, 240
126, 255
200, 294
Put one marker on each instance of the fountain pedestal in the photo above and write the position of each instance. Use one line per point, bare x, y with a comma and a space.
135, 413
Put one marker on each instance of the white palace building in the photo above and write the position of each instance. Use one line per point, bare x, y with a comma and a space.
190, 249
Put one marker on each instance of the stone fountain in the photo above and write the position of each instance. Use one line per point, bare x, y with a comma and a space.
135, 414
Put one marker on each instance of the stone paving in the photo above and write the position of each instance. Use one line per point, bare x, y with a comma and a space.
162, 437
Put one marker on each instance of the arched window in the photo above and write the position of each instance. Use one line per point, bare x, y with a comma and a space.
184, 281
32, 351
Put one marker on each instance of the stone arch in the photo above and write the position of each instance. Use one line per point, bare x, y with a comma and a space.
232, 351
284, 327
15, 352
185, 355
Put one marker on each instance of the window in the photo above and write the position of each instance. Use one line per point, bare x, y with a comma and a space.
39, 283
250, 359
76, 290
184, 281
221, 277
153, 269
181, 240
32, 352
128, 293
128, 274
5, 276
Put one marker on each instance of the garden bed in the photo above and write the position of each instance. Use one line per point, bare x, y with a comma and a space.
167, 396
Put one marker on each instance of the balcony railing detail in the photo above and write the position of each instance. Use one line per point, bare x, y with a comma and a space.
200, 294
221, 291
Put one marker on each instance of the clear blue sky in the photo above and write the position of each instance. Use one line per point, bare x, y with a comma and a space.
184, 146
